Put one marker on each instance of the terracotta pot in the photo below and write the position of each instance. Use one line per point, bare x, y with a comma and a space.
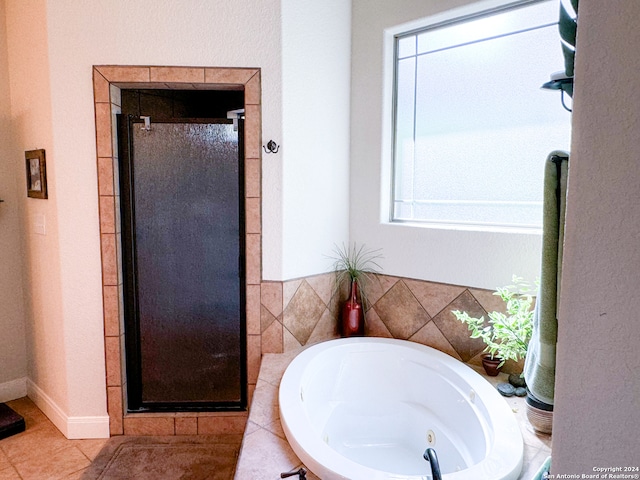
491, 365
353, 315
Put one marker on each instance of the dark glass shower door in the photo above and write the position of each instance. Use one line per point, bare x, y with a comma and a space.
183, 255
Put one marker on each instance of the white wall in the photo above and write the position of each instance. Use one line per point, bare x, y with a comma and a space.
597, 382
52, 108
196, 32
13, 356
316, 48
473, 258
31, 128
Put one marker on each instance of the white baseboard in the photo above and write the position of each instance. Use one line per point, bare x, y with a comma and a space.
71, 427
13, 389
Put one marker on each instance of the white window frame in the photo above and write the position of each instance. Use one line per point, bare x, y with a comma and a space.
388, 197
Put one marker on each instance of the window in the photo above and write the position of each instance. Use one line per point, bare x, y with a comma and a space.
472, 126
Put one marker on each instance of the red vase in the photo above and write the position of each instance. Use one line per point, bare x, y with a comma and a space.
353, 314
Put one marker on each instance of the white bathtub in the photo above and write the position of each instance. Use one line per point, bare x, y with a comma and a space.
367, 408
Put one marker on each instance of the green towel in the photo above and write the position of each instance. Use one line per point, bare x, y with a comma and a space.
540, 364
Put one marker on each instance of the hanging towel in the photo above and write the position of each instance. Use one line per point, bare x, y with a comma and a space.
540, 363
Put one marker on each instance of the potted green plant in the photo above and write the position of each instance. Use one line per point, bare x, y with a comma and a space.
506, 335
356, 265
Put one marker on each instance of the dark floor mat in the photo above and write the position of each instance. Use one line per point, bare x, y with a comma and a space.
10, 422
167, 458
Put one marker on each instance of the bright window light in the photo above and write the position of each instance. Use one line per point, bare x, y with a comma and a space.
472, 126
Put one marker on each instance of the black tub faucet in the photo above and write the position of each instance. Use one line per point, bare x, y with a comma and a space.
301, 472
431, 457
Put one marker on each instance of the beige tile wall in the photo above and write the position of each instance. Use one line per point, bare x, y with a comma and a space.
107, 82
304, 311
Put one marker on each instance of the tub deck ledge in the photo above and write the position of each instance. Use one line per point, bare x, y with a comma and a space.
266, 453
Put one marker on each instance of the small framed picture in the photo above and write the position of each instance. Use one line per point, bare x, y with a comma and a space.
36, 173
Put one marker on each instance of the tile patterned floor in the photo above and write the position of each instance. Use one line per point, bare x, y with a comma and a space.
265, 452
41, 452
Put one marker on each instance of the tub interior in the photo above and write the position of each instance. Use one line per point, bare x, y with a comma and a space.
389, 428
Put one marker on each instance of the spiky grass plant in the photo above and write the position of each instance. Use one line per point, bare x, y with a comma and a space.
359, 263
